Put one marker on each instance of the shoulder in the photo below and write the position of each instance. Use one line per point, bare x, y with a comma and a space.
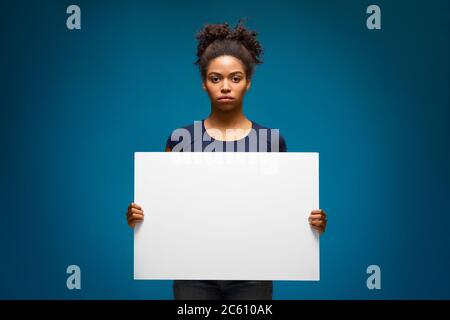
268, 134
185, 135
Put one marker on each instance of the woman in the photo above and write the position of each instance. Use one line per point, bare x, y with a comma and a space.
227, 59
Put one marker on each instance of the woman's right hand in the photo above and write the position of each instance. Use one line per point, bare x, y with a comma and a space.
135, 214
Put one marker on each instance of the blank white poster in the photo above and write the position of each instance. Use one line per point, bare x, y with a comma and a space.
226, 216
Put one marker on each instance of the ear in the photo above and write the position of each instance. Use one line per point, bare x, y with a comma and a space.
203, 85
249, 83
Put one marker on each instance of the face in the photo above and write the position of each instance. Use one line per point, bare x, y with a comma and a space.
226, 82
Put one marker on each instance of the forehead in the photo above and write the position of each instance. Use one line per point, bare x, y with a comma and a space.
225, 65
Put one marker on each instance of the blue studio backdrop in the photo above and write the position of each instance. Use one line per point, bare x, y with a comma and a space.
76, 105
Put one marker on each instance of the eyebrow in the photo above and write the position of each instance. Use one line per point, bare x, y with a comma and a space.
231, 73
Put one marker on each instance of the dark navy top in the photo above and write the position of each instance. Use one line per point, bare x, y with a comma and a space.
195, 138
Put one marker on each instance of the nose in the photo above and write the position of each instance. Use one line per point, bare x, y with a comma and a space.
226, 87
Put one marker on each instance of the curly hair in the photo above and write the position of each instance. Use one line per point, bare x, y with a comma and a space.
216, 40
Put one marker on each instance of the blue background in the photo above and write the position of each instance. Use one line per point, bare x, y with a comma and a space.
76, 105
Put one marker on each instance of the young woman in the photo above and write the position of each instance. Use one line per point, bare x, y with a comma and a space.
227, 59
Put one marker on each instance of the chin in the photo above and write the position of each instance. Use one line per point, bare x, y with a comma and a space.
226, 106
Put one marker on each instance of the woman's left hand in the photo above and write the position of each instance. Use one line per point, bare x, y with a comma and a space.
318, 220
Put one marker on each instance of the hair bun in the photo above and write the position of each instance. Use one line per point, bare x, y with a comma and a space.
248, 39
211, 33
222, 31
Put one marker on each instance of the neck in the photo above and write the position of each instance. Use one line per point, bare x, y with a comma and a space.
231, 119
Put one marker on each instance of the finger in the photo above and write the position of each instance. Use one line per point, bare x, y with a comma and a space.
317, 211
136, 216
317, 220
134, 221
318, 223
316, 216
133, 210
135, 205
323, 214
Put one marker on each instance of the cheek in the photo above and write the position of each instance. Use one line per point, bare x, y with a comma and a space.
211, 89
241, 88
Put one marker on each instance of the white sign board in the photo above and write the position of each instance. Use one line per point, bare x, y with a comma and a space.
226, 216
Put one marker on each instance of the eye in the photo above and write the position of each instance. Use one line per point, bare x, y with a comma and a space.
214, 79
236, 79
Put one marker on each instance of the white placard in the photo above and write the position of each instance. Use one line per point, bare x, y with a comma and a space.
226, 216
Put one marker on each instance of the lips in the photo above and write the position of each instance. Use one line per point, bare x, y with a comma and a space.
225, 98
